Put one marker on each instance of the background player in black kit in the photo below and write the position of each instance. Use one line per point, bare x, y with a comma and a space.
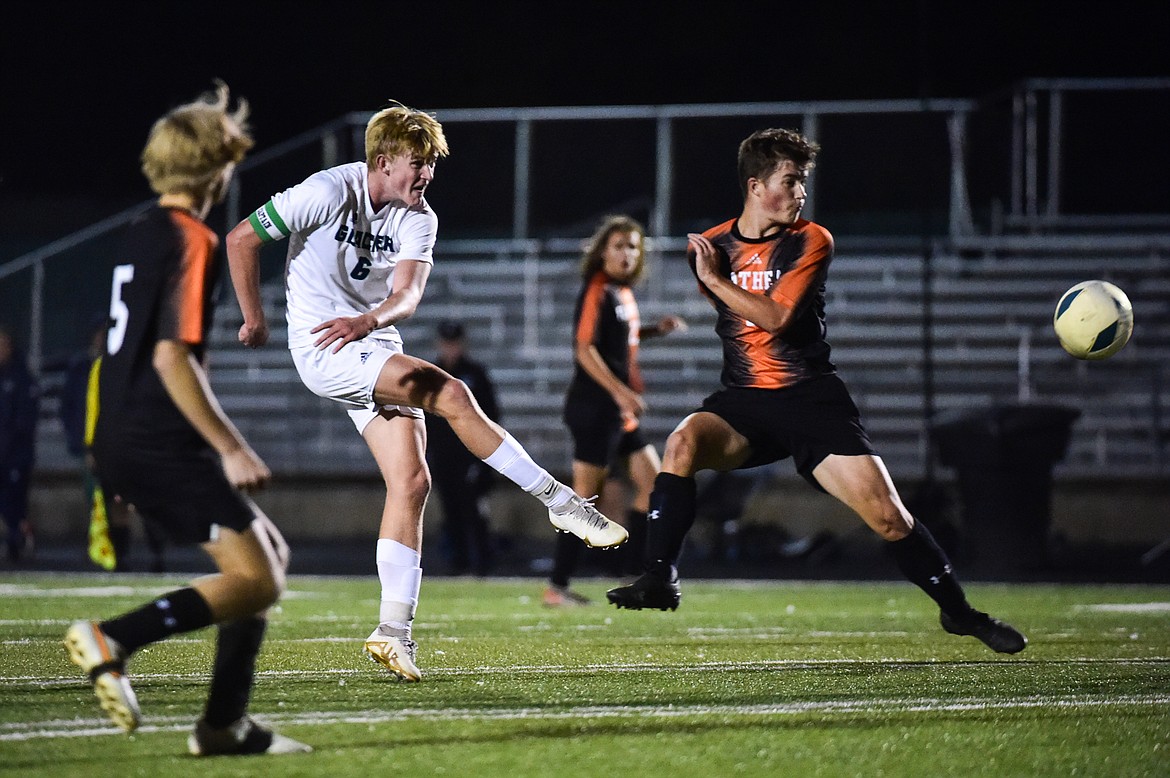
461, 478
163, 444
604, 400
764, 272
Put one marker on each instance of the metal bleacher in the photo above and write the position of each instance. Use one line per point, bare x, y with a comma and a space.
952, 322
991, 343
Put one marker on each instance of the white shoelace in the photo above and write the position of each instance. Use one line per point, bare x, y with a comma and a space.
590, 513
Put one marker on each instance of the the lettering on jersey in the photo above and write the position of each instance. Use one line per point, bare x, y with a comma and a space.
755, 280
264, 219
364, 240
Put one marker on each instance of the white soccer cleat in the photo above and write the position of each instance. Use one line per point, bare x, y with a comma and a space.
103, 660
586, 522
394, 652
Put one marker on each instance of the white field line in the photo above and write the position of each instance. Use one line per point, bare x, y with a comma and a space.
87, 727
1126, 607
117, 590
704, 668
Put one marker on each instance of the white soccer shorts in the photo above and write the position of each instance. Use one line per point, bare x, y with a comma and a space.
348, 377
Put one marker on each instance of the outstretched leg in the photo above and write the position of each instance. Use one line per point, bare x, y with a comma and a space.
862, 483
407, 380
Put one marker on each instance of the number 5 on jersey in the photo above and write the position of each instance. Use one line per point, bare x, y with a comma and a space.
119, 313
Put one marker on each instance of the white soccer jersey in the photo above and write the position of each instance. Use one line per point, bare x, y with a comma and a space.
341, 255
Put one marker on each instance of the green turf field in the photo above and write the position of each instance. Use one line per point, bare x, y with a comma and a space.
754, 679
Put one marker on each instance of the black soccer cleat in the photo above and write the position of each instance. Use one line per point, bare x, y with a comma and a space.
244, 737
997, 635
649, 590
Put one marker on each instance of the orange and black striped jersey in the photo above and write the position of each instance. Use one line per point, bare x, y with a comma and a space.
166, 271
607, 317
790, 268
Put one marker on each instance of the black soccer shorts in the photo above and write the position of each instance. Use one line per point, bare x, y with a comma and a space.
599, 436
808, 422
183, 491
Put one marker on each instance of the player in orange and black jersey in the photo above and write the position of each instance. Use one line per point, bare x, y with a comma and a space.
163, 444
765, 273
790, 268
604, 400
163, 293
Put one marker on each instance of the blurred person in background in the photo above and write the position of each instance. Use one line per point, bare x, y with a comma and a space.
19, 405
110, 525
604, 404
461, 479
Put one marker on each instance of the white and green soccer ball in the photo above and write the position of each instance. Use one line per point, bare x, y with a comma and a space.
1093, 320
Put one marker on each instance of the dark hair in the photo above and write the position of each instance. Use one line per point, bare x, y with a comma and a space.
450, 330
764, 150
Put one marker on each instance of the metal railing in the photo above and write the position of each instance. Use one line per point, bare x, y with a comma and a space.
344, 135
1031, 142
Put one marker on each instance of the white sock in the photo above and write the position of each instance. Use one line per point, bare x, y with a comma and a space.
400, 573
512, 461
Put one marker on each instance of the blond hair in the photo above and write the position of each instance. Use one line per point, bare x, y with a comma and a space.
190, 146
400, 130
593, 258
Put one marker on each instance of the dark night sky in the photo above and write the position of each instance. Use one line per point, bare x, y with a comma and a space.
80, 85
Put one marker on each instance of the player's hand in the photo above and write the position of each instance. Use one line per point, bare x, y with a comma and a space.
669, 324
344, 330
630, 404
245, 469
253, 334
706, 257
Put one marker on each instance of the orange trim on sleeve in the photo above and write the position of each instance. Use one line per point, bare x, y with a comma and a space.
590, 309
795, 283
199, 246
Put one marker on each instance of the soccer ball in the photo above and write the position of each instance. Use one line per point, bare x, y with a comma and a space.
1093, 320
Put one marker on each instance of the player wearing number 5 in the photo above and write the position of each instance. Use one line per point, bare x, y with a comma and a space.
361, 238
163, 444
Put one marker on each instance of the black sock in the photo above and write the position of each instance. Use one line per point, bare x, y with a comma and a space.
566, 554
182, 610
236, 647
925, 564
634, 550
672, 512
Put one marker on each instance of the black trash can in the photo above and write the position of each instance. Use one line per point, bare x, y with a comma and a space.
1003, 457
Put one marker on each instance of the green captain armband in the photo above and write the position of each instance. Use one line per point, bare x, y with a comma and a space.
267, 223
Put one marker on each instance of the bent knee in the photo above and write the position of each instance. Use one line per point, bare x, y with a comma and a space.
413, 486
454, 399
418, 485
682, 447
263, 587
890, 524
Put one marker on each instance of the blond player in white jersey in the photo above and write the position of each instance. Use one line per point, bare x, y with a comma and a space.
361, 237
